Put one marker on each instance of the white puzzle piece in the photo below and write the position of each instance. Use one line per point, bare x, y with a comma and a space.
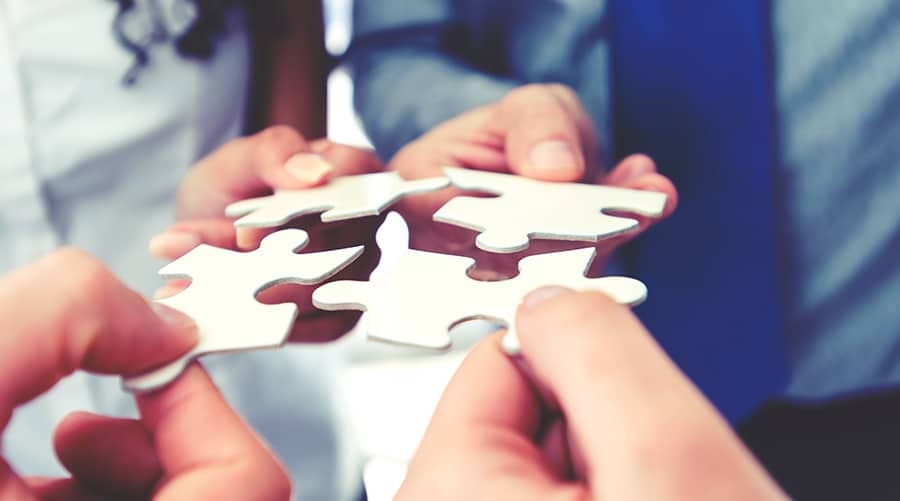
221, 297
342, 198
424, 294
527, 208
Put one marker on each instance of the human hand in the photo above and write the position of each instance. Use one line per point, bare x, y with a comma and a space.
65, 313
539, 131
277, 157
598, 412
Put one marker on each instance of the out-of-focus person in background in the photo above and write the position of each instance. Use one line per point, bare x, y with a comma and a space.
105, 106
779, 124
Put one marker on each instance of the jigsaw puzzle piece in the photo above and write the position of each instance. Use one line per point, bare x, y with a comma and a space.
525, 209
535, 272
221, 297
342, 198
413, 303
384, 190
424, 295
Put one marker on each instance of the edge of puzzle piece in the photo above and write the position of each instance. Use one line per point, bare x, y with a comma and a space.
370, 195
269, 330
508, 239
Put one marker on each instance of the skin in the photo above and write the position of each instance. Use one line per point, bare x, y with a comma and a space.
594, 410
502, 137
187, 443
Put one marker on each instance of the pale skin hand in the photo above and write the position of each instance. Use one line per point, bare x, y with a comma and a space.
69, 313
276, 158
539, 131
613, 418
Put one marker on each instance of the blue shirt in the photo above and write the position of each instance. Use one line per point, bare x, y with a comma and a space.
837, 93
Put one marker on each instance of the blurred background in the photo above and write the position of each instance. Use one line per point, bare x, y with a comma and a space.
390, 391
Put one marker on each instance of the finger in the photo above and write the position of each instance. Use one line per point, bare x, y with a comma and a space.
645, 431
278, 157
87, 320
631, 167
112, 456
638, 172
481, 436
542, 136
205, 450
58, 489
185, 235
347, 160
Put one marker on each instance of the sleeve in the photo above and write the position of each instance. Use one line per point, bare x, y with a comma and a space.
407, 77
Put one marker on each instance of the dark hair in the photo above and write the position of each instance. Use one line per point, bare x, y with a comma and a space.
198, 40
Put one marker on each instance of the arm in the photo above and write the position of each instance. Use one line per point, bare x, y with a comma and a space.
406, 79
416, 66
290, 67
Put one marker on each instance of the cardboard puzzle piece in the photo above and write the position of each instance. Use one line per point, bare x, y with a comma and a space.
424, 294
221, 297
342, 198
527, 208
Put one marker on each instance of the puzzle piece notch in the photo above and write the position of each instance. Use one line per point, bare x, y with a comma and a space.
221, 297
342, 198
402, 311
526, 209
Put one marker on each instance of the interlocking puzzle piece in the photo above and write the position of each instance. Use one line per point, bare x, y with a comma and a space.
222, 296
424, 294
527, 208
342, 198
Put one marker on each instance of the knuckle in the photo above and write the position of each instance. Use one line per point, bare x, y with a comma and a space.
77, 266
529, 93
282, 485
563, 92
279, 136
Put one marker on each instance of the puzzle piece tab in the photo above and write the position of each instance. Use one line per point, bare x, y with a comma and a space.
342, 198
527, 208
222, 296
424, 295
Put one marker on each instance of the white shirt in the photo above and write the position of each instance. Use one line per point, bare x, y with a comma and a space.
89, 162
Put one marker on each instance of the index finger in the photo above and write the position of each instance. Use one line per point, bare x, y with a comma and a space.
481, 437
206, 451
645, 430
68, 312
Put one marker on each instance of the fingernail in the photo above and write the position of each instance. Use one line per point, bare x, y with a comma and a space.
171, 243
538, 296
555, 157
182, 328
164, 292
637, 166
308, 168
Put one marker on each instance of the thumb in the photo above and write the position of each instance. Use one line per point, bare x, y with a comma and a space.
542, 135
88, 320
645, 431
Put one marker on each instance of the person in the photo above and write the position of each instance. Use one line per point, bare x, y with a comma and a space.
106, 106
651, 436
777, 277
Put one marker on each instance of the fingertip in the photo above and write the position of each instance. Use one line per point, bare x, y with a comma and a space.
173, 244
557, 311
659, 183
630, 168
554, 160
308, 169
177, 335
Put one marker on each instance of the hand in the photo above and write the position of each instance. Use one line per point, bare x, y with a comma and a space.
67, 312
277, 157
600, 413
540, 131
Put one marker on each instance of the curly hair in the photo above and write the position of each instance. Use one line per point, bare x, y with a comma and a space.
197, 40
